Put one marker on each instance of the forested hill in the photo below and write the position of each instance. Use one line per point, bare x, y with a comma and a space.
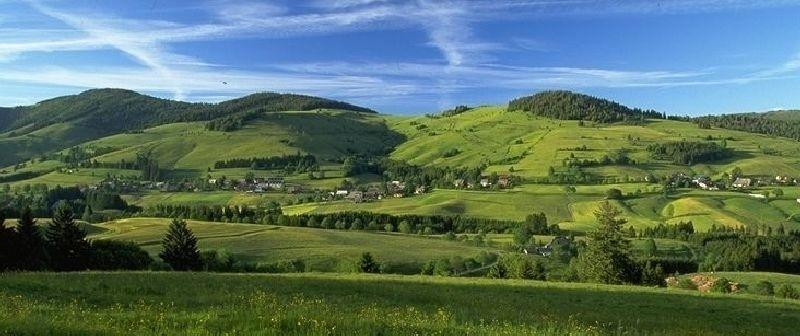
58, 123
125, 110
569, 105
7, 117
777, 123
287, 102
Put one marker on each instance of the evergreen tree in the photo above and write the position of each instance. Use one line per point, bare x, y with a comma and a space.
87, 214
179, 247
66, 241
7, 240
606, 258
30, 247
367, 264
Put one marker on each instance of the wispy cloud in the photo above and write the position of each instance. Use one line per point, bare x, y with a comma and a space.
468, 62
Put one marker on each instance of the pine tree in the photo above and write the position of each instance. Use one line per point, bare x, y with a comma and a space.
66, 241
87, 214
30, 247
180, 247
606, 258
367, 264
7, 241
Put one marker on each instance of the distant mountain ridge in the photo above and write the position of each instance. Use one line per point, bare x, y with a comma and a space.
61, 122
125, 110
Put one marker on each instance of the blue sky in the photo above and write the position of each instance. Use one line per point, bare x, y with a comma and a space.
681, 56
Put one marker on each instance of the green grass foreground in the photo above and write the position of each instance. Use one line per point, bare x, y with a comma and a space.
317, 304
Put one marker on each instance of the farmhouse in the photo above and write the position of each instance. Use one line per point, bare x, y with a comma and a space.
742, 183
355, 196
754, 195
504, 181
485, 183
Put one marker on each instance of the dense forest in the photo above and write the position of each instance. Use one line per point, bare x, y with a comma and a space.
688, 152
754, 123
7, 117
568, 105
298, 161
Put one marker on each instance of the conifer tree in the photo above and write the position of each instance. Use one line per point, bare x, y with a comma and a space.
66, 241
606, 258
180, 247
30, 247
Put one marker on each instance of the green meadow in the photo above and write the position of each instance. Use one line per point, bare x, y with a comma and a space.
328, 304
320, 250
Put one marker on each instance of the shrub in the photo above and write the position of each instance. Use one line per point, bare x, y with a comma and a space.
684, 283
613, 194
118, 255
764, 288
721, 285
787, 291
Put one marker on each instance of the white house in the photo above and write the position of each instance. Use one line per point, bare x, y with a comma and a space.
742, 183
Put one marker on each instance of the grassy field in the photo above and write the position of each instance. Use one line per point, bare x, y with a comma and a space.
485, 135
751, 278
321, 250
530, 144
189, 150
575, 211
316, 304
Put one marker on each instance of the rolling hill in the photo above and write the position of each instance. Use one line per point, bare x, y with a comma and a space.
320, 250
62, 122
530, 144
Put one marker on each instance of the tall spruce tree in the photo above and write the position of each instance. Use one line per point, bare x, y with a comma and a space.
606, 258
7, 241
66, 241
180, 247
30, 248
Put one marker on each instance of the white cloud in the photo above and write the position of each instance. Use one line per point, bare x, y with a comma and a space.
468, 61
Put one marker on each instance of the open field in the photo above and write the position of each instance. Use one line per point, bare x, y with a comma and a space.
321, 250
531, 144
162, 303
575, 211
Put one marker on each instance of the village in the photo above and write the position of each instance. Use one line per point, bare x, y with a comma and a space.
276, 184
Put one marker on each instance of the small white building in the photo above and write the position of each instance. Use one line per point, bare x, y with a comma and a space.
742, 183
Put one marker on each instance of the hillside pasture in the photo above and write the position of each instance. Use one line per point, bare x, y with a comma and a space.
319, 249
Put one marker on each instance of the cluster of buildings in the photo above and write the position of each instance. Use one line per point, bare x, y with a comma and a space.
503, 181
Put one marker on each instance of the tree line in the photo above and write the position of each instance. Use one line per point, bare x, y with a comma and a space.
62, 246
753, 123
689, 152
300, 162
272, 215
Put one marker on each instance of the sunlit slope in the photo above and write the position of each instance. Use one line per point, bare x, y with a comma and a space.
319, 249
190, 149
529, 144
575, 211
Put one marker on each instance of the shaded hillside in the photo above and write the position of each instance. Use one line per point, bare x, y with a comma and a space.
7, 117
567, 105
125, 110
61, 122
